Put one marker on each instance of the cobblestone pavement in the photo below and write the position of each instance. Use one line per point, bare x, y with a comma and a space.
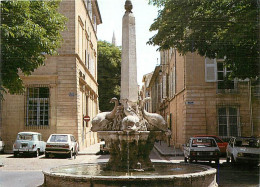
27, 171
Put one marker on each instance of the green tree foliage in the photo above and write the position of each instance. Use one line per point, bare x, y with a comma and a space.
29, 30
213, 28
109, 74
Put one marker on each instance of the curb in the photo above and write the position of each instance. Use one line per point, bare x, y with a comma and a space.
161, 152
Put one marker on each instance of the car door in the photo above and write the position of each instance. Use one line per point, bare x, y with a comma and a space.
74, 143
186, 149
42, 143
221, 144
230, 147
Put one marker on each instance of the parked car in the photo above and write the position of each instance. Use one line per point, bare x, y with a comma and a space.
62, 144
29, 143
201, 148
221, 144
103, 147
2, 146
244, 149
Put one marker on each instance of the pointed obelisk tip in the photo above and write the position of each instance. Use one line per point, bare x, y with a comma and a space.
128, 6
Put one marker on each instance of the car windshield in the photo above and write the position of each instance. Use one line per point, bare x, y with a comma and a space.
248, 142
59, 138
24, 137
203, 142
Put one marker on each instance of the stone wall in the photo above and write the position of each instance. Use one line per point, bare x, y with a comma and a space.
61, 73
194, 107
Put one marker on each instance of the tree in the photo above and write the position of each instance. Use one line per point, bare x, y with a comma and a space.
214, 28
109, 74
29, 31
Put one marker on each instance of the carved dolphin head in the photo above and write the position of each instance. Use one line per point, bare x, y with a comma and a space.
113, 100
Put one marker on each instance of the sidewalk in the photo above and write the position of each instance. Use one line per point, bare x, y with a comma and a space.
164, 149
91, 150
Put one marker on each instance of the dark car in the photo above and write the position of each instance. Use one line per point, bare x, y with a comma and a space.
221, 144
201, 148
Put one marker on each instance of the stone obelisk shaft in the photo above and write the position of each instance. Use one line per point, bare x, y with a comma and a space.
129, 86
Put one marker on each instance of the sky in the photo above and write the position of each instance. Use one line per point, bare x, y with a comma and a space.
112, 12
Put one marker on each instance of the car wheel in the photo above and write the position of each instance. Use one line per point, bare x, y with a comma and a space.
15, 154
37, 153
70, 155
185, 160
228, 159
233, 160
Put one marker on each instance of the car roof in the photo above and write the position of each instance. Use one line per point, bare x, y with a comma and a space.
29, 133
204, 135
62, 134
202, 138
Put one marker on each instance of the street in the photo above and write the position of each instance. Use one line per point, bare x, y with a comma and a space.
27, 171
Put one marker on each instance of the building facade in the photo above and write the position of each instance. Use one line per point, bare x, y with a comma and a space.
59, 94
145, 91
196, 98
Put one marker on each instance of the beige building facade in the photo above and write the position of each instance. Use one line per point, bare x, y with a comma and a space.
196, 99
60, 93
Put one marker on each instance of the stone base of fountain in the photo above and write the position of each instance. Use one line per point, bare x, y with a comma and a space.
129, 151
165, 175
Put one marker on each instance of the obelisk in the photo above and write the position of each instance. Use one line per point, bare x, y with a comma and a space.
129, 86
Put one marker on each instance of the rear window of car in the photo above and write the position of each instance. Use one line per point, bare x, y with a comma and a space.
24, 137
59, 138
247, 142
203, 142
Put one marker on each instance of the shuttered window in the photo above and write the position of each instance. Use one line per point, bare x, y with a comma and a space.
164, 87
228, 121
210, 70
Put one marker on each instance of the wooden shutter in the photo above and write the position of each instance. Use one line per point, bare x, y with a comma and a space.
164, 87
210, 70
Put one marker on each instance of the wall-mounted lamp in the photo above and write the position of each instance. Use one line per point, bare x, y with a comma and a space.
160, 71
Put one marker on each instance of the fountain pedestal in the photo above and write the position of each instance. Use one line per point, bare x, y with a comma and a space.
129, 151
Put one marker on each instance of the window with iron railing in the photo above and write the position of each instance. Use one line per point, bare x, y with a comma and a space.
37, 106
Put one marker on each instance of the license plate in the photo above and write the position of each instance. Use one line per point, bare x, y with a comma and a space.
23, 149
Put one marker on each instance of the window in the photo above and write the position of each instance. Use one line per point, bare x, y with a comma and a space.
228, 121
223, 74
37, 108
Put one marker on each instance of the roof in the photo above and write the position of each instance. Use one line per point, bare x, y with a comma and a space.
98, 11
155, 75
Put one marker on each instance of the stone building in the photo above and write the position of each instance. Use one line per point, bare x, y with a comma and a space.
65, 89
191, 92
145, 91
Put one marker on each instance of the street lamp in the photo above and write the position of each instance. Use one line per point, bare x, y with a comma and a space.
160, 71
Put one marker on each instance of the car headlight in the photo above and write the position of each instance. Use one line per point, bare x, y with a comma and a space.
240, 154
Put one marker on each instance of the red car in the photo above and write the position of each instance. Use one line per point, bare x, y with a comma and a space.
221, 144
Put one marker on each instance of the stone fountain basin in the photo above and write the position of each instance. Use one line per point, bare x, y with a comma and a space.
165, 175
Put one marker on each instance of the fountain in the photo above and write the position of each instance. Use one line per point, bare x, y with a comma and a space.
130, 131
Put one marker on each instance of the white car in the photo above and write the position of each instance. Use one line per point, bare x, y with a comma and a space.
243, 149
2, 145
29, 143
60, 144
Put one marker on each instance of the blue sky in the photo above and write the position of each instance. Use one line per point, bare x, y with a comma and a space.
112, 12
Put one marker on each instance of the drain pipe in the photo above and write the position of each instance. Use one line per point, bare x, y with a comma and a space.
250, 107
